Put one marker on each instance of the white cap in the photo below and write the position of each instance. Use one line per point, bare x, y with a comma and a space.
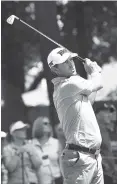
3, 134
18, 125
59, 55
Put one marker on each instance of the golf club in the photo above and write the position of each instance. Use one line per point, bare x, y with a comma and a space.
11, 19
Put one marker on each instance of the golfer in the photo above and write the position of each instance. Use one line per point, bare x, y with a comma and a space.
73, 97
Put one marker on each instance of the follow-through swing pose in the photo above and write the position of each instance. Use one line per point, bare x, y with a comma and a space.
73, 96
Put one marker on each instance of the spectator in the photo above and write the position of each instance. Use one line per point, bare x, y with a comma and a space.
48, 149
20, 158
105, 119
4, 173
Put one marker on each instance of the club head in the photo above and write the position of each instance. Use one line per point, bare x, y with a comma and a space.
10, 20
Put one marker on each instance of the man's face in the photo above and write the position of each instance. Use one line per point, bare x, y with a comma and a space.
20, 134
67, 68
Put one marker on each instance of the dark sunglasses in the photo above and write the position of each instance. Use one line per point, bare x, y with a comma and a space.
111, 109
46, 123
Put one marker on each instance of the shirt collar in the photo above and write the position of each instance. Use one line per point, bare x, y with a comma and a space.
36, 142
49, 141
57, 80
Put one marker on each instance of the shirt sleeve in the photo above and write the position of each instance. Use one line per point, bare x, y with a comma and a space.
34, 155
84, 86
10, 158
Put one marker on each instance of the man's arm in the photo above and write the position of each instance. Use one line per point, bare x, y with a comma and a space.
84, 86
93, 84
10, 159
93, 69
92, 97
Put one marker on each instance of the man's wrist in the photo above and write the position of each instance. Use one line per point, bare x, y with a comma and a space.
93, 74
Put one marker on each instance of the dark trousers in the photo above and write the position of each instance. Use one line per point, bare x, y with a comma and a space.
59, 180
108, 179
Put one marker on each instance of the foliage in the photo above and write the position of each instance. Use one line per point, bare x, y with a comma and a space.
112, 95
100, 24
89, 28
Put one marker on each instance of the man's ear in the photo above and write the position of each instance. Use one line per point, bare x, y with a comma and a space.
55, 70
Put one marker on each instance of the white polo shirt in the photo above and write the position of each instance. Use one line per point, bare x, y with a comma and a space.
50, 149
75, 111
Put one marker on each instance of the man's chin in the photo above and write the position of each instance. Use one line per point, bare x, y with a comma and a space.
74, 72
22, 138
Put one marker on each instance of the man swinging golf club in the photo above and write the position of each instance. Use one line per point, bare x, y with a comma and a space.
73, 96
10, 20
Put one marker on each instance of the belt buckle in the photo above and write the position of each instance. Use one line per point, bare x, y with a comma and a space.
97, 152
90, 150
66, 146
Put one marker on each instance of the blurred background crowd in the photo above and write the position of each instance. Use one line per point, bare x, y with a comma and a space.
31, 136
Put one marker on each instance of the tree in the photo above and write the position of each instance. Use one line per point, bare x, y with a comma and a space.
90, 28
12, 68
48, 25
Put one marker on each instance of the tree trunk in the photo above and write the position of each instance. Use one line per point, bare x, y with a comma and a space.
84, 23
77, 31
12, 69
46, 21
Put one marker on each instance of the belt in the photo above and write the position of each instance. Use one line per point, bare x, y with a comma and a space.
84, 149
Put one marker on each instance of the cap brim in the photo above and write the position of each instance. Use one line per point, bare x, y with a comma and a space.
20, 128
23, 126
74, 55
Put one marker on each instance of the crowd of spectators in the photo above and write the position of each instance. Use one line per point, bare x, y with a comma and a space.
36, 160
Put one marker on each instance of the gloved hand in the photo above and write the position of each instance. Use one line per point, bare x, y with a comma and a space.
91, 67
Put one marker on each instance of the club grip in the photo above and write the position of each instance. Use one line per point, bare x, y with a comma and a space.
81, 59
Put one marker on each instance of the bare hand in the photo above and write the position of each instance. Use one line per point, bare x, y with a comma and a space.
91, 67
28, 147
21, 150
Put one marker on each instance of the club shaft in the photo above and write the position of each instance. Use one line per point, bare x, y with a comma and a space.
80, 58
41, 33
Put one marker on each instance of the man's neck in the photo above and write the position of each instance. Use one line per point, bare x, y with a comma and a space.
68, 76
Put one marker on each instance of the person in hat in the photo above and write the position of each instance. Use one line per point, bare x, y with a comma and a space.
4, 173
73, 98
20, 158
48, 148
